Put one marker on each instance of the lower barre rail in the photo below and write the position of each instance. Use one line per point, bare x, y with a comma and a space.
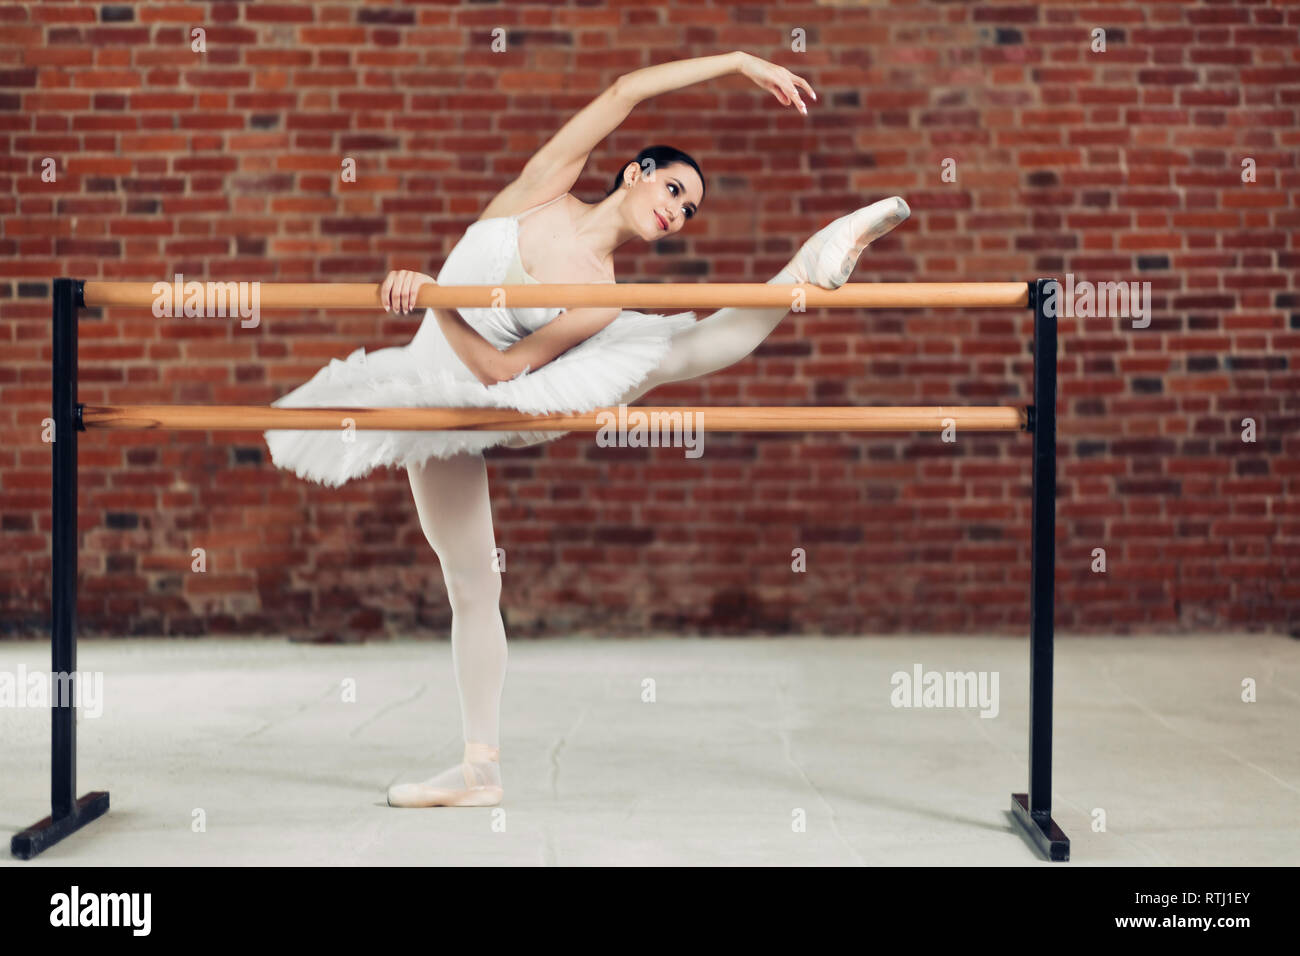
715, 418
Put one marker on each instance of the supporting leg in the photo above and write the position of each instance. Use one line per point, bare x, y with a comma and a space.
455, 511
67, 813
1033, 811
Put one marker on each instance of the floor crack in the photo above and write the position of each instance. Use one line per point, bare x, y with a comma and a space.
787, 749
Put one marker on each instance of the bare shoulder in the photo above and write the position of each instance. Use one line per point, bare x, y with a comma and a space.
520, 196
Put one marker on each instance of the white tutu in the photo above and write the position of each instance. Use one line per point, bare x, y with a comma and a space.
428, 373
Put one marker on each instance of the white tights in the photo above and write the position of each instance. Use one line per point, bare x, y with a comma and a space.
714, 342
451, 498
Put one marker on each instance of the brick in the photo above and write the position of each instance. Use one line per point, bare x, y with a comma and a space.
278, 13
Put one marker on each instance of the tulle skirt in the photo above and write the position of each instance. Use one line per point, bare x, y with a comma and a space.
428, 373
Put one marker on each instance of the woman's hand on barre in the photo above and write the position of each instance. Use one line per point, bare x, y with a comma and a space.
397, 294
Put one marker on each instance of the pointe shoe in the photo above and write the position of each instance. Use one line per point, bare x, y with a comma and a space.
830, 256
479, 790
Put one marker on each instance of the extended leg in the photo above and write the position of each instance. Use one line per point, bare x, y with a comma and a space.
451, 498
728, 335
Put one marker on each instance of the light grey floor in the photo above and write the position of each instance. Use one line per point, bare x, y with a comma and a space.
1158, 759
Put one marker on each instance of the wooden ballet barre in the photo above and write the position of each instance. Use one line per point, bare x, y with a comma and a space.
729, 418
691, 295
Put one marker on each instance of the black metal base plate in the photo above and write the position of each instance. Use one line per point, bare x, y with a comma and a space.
42, 836
1047, 836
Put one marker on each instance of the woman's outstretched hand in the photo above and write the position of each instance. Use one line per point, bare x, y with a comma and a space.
777, 80
397, 294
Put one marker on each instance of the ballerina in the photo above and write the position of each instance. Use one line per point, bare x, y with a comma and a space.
542, 360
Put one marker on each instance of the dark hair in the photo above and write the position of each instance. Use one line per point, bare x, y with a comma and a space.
661, 156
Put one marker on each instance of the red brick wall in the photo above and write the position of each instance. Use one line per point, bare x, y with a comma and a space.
1122, 165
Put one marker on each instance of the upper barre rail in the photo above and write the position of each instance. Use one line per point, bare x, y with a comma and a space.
690, 295
717, 418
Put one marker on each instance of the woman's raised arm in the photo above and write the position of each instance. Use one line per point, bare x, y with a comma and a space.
560, 160
557, 165
650, 81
